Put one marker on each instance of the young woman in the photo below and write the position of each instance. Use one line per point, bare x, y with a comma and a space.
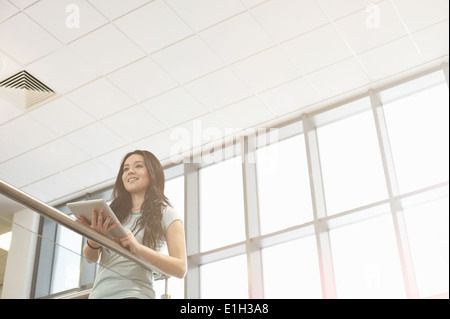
143, 209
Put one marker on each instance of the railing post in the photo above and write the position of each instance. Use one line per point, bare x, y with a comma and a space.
166, 289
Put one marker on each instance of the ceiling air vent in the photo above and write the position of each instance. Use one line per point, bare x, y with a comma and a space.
24, 90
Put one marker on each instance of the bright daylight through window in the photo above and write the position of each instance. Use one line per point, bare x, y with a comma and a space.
351, 202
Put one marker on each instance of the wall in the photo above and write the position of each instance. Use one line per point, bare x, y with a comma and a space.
20, 262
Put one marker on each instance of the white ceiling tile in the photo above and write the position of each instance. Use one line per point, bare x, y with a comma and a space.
433, 41
25, 169
284, 19
265, 70
24, 133
9, 148
7, 10
364, 31
218, 89
202, 127
60, 154
252, 3
63, 71
339, 78
37, 193
133, 124
113, 9
8, 111
391, 58
22, 4
185, 137
316, 49
61, 116
142, 79
43, 161
100, 98
153, 26
160, 144
174, 107
290, 97
338, 9
71, 19
244, 114
95, 139
107, 49
113, 159
58, 185
25, 40
419, 14
187, 59
200, 14
236, 38
89, 173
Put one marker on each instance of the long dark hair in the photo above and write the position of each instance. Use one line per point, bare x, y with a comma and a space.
153, 204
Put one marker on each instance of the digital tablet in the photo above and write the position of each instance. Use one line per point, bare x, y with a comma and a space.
85, 209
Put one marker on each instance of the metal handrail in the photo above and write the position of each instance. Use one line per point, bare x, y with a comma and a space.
64, 220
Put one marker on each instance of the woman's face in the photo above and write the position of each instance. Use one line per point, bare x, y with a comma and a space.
135, 176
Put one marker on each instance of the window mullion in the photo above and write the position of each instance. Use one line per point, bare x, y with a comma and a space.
406, 261
192, 222
254, 261
319, 210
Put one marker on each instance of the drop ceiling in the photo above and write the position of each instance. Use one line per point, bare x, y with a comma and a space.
126, 73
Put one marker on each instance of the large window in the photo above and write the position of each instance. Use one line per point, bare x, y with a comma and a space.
225, 278
427, 224
350, 160
283, 185
348, 202
417, 121
66, 263
174, 191
366, 260
291, 270
221, 204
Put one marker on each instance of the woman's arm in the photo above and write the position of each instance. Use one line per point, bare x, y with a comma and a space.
175, 264
90, 253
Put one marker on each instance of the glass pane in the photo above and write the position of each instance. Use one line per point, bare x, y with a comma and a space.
366, 260
283, 185
174, 190
428, 234
45, 258
66, 266
291, 270
175, 285
221, 204
224, 279
88, 270
352, 170
418, 129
